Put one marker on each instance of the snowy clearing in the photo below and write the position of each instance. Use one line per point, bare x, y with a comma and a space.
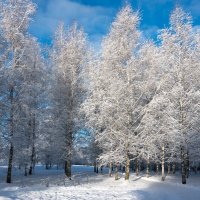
51, 184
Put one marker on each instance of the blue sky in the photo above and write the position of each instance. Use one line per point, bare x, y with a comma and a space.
96, 15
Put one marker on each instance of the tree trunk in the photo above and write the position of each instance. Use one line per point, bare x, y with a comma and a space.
110, 169
187, 165
95, 167
154, 167
195, 169
30, 170
132, 165
25, 170
174, 167
47, 166
68, 168
9, 172
183, 167
69, 143
137, 167
32, 165
11, 151
163, 163
147, 173
127, 173
101, 168
157, 167
116, 172
183, 172
168, 168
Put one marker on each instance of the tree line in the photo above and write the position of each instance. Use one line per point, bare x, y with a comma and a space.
133, 99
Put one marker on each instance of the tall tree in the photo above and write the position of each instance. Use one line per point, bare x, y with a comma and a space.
15, 17
119, 91
69, 56
178, 94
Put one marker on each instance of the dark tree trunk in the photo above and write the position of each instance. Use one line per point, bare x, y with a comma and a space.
30, 172
168, 168
137, 167
132, 165
46, 166
183, 173
68, 161
195, 169
11, 151
25, 171
110, 169
174, 167
148, 163
157, 167
154, 167
32, 165
187, 164
95, 167
183, 167
68, 169
116, 171
101, 168
127, 173
9, 172
163, 163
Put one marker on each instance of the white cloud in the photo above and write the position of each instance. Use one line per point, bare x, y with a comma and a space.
196, 28
194, 7
94, 19
149, 32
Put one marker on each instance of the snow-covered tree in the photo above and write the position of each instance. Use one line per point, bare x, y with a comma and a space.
119, 91
176, 106
15, 17
68, 57
31, 99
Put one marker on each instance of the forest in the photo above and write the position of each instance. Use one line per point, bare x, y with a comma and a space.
133, 104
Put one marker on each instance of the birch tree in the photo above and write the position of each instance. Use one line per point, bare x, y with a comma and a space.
69, 56
179, 87
119, 91
15, 17
31, 97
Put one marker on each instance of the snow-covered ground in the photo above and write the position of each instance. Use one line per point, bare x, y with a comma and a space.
51, 184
